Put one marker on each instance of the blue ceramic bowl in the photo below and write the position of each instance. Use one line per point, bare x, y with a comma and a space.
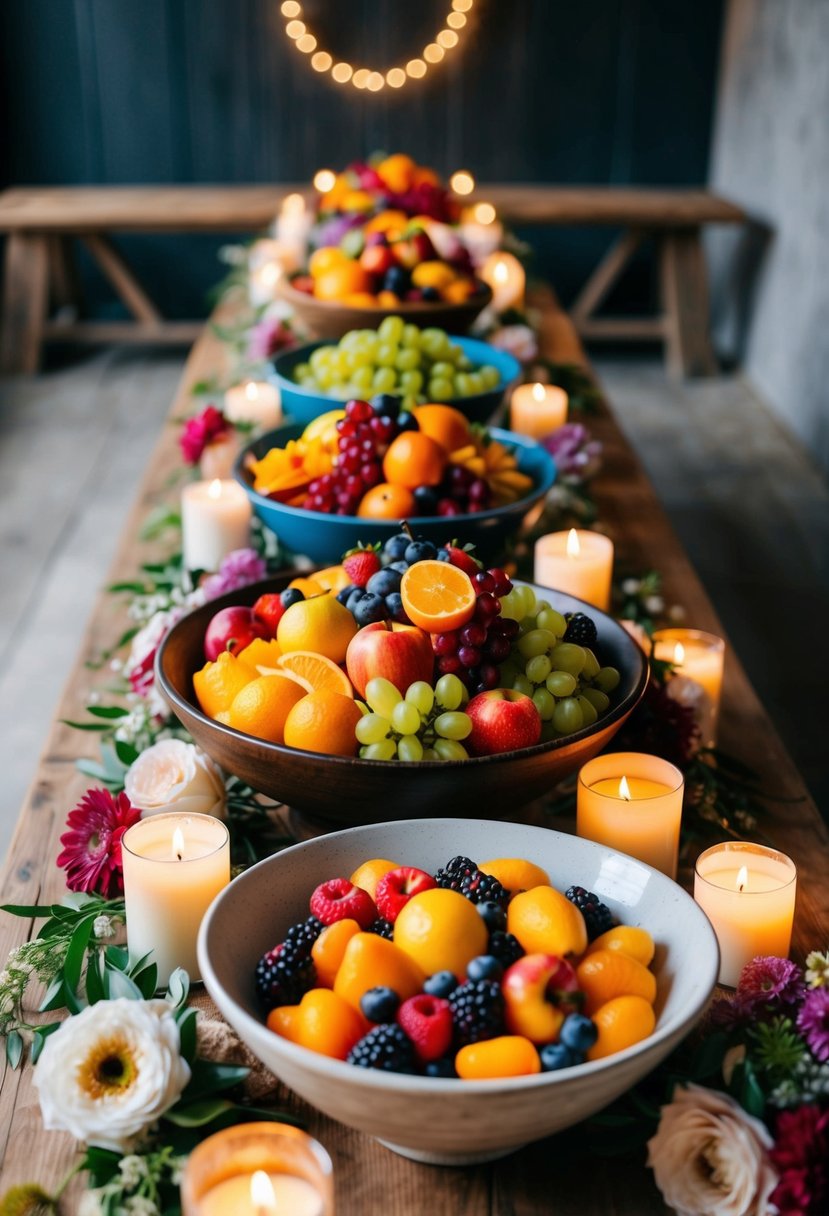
325, 538
305, 404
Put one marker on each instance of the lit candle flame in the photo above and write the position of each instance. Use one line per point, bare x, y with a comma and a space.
742, 879
624, 789
462, 182
538, 392
214, 490
251, 391
178, 843
324, 180
500, 272
573, 546
294, 204
484, 213
679, 654
261, 1193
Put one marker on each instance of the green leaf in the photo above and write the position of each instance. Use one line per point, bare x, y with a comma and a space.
707, 1059
187, 1034
96, 771
76, 953
54, 997
197, 1114
39, 1038
84, 725
748, 1090
208, 1078
135, 588
147, 980
102, 1164
27, 910
107, 711
118, 984
178, 988
14, 1048
95, 990
126, 753
117, 957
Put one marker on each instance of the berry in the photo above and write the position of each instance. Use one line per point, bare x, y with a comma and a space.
301, 937
506, 948
344, 595
503, 583
441, 1069
386, 1048
457, 868
407, 422
397, 545
369, 608
354, 599
383, 928
283, 976
442, 984
484, 967
427, 1020
431, 294
380, 1004
464, 558
291, 595
477, 1011
426, 500
597, 916
384, 582
339, 899
394, 606
361, 564
484, 582
580, 629
386, 405
578, 1032
420, 551
495, 918
483, 888
555, 1056
400, 566
395, 889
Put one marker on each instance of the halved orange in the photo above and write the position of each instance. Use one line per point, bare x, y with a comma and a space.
260, 654
437, 596
314, 672
218, 683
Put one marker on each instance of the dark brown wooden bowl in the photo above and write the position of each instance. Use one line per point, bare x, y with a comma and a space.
344, 791
330, 319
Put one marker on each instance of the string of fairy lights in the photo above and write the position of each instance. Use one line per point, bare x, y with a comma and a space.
445, 41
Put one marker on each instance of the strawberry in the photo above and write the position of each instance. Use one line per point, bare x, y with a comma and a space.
464, 558
427, 1021
359, 564
339, 899
269, 609
396, 888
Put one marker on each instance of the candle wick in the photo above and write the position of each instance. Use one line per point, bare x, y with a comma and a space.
178, 855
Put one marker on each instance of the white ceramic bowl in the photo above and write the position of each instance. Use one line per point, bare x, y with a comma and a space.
455, 1122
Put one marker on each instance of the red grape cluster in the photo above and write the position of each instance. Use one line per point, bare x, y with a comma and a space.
364, 436
460, 493
474, 652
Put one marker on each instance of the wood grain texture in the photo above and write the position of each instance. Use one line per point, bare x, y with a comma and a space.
25, 300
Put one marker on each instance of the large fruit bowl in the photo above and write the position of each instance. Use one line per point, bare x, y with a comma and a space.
452, 1122
343, 791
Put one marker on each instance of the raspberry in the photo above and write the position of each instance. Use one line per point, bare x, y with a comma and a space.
580, 629
283, 977
359, 564
386, 1048
597, 916
339, 899
427, 1020
506, 948
395, 889
477, 1011
383, 928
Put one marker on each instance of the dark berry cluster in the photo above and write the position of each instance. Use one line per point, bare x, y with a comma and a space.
581, 629
461, 874
477, 1011
597, 916
474, 652
387, 1047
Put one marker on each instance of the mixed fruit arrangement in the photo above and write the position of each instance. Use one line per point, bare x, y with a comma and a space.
378, 461
407, 653
473, 972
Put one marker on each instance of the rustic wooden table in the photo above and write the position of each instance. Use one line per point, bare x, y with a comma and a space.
543, 1177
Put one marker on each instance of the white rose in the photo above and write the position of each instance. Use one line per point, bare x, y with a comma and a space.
173, 775
111, 1071
709, 1157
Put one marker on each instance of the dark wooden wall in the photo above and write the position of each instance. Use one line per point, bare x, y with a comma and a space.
211, 90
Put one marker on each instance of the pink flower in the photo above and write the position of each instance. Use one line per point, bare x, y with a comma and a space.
813, 1022
200, 431
238, 569
268, 336
801, 1156
517, 340
91, 852
768, 980
577, 456
139, 667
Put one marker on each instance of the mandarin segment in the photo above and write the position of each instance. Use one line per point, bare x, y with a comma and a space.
630, 940
621, 1023
606, 974
327, 1024
509, 1055
329, 948
218, 683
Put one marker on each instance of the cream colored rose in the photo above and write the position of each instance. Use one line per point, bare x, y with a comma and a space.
176, 776
709, 1157
111, 1072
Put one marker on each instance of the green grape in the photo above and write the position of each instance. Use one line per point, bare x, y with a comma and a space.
363, 379
567, 656
319, 357
465, 695
302, 370
420, 695
548, 618
527, 598
449, 692
561, 683
442, 371
429, 753
324, 378
512, 607
386, 749
568, 716
453, 725
409, 748
382, 696
476, 382
453, 351
536, 642
461, 385
411, 336
450, 749
372, 729
598, 699
361, 358
588, 711
545, 703
405, 718
385, 379
490, 376
463, 363
407, 359
441, 389
431, 341
591, 665
607, 679
386, 355
538, 668
410, 400
411, 382
522, 684
390, 329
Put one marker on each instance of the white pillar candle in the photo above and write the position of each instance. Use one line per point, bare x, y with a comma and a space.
293, 226
505, 275
537, 409
632, 802
698, 659
215, 520
748, 892
269, 261
578, 562
174, 866
256, 402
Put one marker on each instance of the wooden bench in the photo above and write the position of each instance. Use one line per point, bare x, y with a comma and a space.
41, 224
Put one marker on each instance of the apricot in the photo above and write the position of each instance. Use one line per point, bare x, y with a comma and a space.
545, 922
516, 873
629, 939
441, 931
510, 1055
329, 948
370, 872
621, 1022
371, 961
322, 1022
608, 974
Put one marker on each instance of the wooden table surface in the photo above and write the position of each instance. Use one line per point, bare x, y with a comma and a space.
371, 1181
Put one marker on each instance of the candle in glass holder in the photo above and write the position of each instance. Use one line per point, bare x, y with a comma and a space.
215, 520
578, 562
293, 226
632, 802
537, 409
174, 866
698, 659
256, 402
747, 891
505, 275
258, 1169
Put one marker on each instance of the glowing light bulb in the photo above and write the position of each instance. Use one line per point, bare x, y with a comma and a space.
416, 68
290, 9
321, 62
456, 21
484, 213
447, 39
306, 43
462, 182
433, 53
396, 78
342, 72
742, 879
624, 789
360, 78
500, 272
375, 82
573, 547
295, 29
325, 179
462, 6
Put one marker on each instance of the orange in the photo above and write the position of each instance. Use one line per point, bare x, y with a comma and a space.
437, 596
387, 299
414, 460
322, 1022
516, 874
387, 222
446, 425
341, 280
315, 671
321, 624
510, 1055
324, 259
324, 722
260, 654
308, 586
609, 973
218, 683
397, 171
458, 292
370, 872
441, 930
545, 922
329, 948
386, 502
263, 706
433, 274
621, 1022
370, 961
636, 943
332, 578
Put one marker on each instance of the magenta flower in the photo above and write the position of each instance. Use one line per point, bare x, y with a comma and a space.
769, 980
801, 1157
200, 431
91, 852
813, 1022
238, 569
267, 337
575, 453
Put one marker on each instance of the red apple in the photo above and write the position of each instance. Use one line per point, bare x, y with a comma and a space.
399, 653
232, 629
539, 991
502, 720
396, 888
377, 259
269, 610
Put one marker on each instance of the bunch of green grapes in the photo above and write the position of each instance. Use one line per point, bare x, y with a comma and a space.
417, 364
426, 724
568, 685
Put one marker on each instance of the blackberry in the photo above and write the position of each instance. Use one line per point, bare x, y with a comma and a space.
506, 948
301, 937
597, 916
454, 871
386, 1048
283, 977
383, 928
477, 1011
461, 874
580, 629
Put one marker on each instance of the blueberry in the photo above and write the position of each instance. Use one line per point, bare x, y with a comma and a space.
555, 1056
426, 500
484, 967
397, 279
354, 598
431, 294
380, 1004
370, 608
291, 595
397, 612
346, 592
387, 405
441, 984
401, 567
443, 1068
495, 917
420, 551
578, 1032
407, 422
384, 582
397, 545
